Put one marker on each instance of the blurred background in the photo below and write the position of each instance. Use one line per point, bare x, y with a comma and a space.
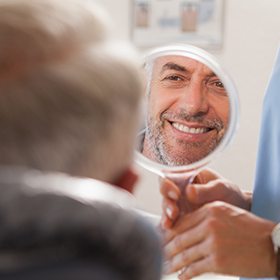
250, 41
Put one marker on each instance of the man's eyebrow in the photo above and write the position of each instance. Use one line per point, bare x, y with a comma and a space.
180, 68
173, 66
211, 75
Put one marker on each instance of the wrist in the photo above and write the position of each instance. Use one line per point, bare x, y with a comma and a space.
269, 257
275, 238
275, 265
248, 200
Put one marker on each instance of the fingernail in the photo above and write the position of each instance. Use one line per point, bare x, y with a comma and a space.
181, 271
166, 267
169, 212
172, 195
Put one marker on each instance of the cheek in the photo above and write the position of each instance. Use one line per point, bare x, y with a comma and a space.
224, 114
222, 110
161, 100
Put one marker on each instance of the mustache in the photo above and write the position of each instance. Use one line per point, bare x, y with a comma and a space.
200, 118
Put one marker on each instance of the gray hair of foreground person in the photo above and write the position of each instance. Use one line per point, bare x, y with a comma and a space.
69, 94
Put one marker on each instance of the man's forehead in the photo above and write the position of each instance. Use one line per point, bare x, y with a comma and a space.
179, 63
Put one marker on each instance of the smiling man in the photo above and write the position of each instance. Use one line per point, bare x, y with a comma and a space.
188, 111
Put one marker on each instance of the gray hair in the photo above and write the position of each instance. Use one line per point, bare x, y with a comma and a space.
149, 68
69, 95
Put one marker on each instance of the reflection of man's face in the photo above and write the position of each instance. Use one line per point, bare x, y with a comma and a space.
188, 111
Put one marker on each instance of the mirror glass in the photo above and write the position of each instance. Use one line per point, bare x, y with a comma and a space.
191, 110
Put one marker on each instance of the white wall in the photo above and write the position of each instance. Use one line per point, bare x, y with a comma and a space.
252, 33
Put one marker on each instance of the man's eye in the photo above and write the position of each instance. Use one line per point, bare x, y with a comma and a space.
219, 84
216, 84
173, 78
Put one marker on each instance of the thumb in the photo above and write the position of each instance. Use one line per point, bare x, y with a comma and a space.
204, 193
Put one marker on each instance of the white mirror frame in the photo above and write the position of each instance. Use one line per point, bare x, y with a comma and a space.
207, 59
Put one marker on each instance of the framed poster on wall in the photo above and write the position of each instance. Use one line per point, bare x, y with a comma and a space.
159, 22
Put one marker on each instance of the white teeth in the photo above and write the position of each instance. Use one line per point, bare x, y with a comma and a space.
187, 129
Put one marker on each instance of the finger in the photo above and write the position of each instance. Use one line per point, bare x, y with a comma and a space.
187, 221
184, 241
170, 209
196, 268
181, 274
182, 225
185, 258
169, 190
166, 224
201, 194
206, 175
169, 214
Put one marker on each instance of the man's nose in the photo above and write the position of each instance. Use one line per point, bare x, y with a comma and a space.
195, 98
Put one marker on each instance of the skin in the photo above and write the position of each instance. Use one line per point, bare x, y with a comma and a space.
221, 236
184, 95
127, 180
208, 186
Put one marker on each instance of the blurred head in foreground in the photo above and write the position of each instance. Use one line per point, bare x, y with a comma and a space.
69, 94
69, 98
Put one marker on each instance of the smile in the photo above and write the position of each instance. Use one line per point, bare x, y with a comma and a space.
191, 130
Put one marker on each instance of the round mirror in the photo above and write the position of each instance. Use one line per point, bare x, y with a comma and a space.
191, 111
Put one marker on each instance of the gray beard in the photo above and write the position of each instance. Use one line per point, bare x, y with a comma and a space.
162, 152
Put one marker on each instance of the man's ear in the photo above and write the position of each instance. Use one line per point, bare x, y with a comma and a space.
127, 180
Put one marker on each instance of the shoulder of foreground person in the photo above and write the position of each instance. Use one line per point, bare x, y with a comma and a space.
50, 229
